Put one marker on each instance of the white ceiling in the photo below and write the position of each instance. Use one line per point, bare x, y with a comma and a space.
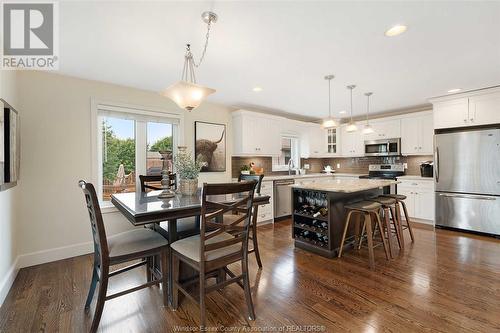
287, 48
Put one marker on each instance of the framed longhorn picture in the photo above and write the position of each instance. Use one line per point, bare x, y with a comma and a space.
210, 146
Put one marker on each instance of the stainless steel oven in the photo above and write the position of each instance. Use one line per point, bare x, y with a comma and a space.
385, 147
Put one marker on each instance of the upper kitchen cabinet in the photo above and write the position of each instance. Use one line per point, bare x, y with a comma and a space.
484, 108
473, 108
451, 113
384, 129
312, 141
352, 143
255, 134
417, 134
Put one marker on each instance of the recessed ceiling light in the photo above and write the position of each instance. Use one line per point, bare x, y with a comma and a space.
396, 30
451, 91
257, 89
342, 111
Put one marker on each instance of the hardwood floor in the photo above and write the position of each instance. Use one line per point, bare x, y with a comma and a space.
445, 282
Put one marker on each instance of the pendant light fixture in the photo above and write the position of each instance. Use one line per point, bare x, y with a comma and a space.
329, 122
351, 127
186, 93
368, 129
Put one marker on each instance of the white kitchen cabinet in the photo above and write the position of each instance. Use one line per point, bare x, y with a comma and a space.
419, 198
352, 143
265, 213
333, 141
384, 129
472, 108
255, 134
417, 135
313, 141
484, 109
452, 113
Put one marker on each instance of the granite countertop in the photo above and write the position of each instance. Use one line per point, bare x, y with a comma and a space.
415, 177
347, 185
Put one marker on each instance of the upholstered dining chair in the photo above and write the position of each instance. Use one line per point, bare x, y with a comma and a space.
218, 245
118, 249
253, 221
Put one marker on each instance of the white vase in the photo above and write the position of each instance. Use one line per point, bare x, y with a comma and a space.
188, 186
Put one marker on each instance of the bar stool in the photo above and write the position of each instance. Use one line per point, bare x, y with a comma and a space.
368, 209
390, 206
400, 201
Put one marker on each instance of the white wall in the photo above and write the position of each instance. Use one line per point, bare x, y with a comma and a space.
8, 221
56, 153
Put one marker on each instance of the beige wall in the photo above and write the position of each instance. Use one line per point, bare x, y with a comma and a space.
56, 153
8, 221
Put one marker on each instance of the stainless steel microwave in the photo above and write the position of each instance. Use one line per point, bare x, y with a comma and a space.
385, 147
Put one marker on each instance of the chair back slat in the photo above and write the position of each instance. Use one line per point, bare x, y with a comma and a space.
212, 216
96, 221
257, 178
153, 182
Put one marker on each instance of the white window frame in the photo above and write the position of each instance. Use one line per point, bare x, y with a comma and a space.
295, 154
136, 111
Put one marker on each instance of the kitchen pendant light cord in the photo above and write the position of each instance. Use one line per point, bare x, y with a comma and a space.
329, 99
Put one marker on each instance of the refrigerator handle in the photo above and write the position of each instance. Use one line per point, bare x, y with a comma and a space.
464, 196
436, 162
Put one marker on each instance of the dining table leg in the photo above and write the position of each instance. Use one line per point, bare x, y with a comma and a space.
172, 237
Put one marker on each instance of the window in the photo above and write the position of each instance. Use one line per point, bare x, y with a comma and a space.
131, 142
289, 151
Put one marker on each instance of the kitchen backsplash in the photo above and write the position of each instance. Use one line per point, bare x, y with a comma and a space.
347, 164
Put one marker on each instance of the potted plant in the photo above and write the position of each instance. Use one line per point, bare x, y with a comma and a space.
245, 170
188, 169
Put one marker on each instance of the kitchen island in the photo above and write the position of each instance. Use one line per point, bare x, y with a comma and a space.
319, 215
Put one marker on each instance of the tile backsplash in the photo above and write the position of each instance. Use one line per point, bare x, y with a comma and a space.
347, 164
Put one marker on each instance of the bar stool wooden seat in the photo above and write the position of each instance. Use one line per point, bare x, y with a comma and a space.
370, 210
390, 208
401, 201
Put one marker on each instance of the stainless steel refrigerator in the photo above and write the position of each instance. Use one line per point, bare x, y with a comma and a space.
467, 178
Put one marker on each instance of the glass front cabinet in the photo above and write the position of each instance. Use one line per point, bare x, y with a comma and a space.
332, 141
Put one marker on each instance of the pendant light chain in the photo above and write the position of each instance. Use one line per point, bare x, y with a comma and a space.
190, 64
207, 36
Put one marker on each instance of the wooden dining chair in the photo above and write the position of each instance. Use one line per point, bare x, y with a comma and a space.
153, 182
185, 227
118, 249
217, 246
253, 224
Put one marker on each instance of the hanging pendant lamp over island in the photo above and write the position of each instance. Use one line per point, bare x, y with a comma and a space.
351, 127
329, 122
186, 93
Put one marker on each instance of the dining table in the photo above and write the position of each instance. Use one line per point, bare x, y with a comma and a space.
146, 208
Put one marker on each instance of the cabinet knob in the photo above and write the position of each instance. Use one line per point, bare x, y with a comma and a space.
419, 147
415, 148
465, 120
471, 119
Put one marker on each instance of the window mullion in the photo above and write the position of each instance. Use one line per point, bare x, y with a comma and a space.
140, 150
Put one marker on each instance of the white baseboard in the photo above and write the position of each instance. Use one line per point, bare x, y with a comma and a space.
58, 253
41, 257
8, 280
